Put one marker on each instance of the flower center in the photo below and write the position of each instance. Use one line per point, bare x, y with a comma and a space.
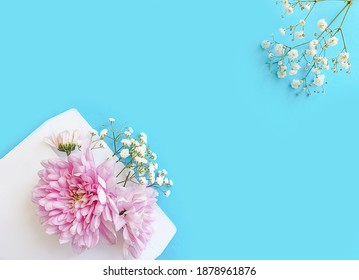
78, 197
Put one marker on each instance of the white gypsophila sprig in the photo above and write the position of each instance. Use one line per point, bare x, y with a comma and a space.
308, 56
97, 139
139, 161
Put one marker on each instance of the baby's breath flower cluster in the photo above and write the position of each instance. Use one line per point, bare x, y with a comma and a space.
135, 154
307, 58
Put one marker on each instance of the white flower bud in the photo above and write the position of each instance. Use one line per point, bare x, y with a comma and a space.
151, 167
151, 176
126, 142
265, 44
322, 24
141, 150
103, 132
167, 193
102, 144
93, 132
143, 137
143, 181
124, 153
333, 41
159, 181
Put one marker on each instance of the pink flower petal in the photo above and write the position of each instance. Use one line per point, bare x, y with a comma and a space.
101, 195
101, 182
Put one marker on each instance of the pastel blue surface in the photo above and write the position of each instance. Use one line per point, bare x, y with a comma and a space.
259, 173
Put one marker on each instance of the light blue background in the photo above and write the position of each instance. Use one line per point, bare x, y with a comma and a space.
259, 173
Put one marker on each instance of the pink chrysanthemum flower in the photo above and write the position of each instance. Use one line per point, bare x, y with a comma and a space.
76, 200
136, 206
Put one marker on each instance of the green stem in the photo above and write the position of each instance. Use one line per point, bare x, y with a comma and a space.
128, 175
310, 11
341, 33
114, 141
346, 13
121, 171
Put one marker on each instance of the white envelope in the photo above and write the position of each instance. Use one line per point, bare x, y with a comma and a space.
21, 235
